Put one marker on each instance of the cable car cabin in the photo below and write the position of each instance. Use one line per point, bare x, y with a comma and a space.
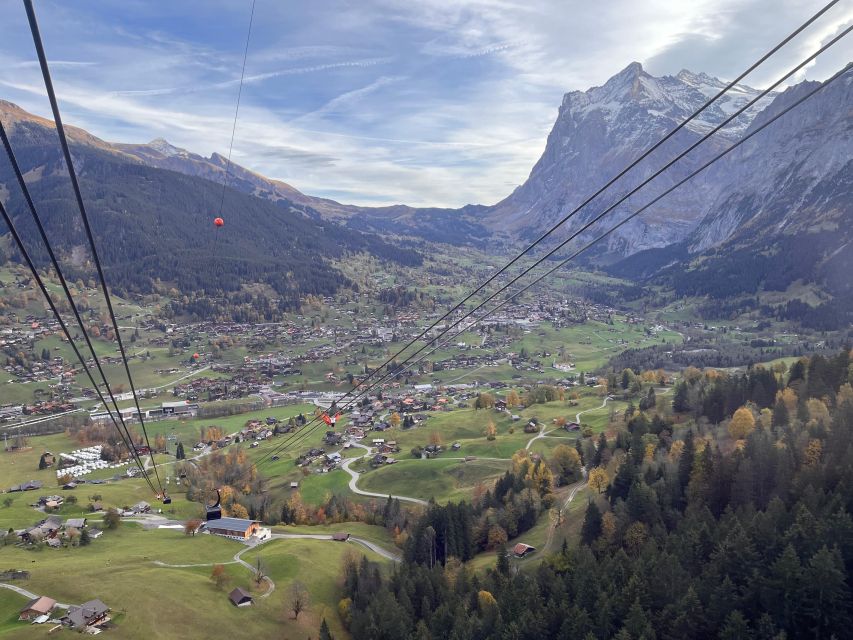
167, 500
214, 511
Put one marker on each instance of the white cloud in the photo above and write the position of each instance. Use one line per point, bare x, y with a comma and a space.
436, 102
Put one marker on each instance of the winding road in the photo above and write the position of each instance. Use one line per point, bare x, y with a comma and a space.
353, 482
543, 434
393, 557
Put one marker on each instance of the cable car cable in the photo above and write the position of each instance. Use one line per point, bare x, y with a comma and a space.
651, 178
599, 217
634, 163
565, 261
13, 161
60, 130
34, 271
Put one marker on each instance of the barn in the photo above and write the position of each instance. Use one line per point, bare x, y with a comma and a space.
238, 528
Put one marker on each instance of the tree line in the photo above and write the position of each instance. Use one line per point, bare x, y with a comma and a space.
737, 528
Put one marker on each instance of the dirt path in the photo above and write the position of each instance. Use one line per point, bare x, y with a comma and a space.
572, 493
27, 594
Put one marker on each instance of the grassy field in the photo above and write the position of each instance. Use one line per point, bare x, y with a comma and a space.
10, 604
164, 602
444, 480
317, 565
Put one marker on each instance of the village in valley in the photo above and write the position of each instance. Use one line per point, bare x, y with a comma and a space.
260, 487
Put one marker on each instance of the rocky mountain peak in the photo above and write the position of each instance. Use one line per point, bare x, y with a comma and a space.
162, 146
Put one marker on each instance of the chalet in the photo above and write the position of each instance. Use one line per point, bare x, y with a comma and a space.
237, 528
36, 608
333, 458
378, 442
531, 427
51, 502
340, 536
521, 550
571, 426
378, 459
294, 485
141, 507
75, 523
456, 446
32, 485
239, 597
87, 614
332, 438
44, 530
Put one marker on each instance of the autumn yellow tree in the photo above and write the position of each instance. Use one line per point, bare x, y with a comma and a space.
565, 463
765, 418
845, 394
789, 398
598, 479
491, 431
435, 438
238, 511
512, 398
395, 419
676, 449
742, 424
818, 412
218, 575
486, 601
497, 536
814, 450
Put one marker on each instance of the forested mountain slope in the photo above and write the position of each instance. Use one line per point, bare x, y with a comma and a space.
157, 225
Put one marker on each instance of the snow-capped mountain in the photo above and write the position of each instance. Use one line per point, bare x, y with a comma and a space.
603, 129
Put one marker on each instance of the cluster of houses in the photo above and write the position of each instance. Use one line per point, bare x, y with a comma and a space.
90, 617
53, 532
239, 385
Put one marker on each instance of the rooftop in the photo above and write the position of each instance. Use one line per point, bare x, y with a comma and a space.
231, 524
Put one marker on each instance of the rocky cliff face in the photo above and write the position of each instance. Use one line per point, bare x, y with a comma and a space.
794, 177
600, 131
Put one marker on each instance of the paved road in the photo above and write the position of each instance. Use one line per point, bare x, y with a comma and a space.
27, 594
543, 434
353, 483
579, 413
321, 536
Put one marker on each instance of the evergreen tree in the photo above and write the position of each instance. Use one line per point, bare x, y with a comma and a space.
591, 523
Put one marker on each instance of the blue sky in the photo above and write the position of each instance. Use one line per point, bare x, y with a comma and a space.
428, 103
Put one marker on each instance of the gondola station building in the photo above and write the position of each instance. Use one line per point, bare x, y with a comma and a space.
237, 528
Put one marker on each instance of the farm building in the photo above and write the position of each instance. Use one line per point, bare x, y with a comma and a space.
340, 536
521, 550
86, 615
239, 528
36, 608
240, 597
